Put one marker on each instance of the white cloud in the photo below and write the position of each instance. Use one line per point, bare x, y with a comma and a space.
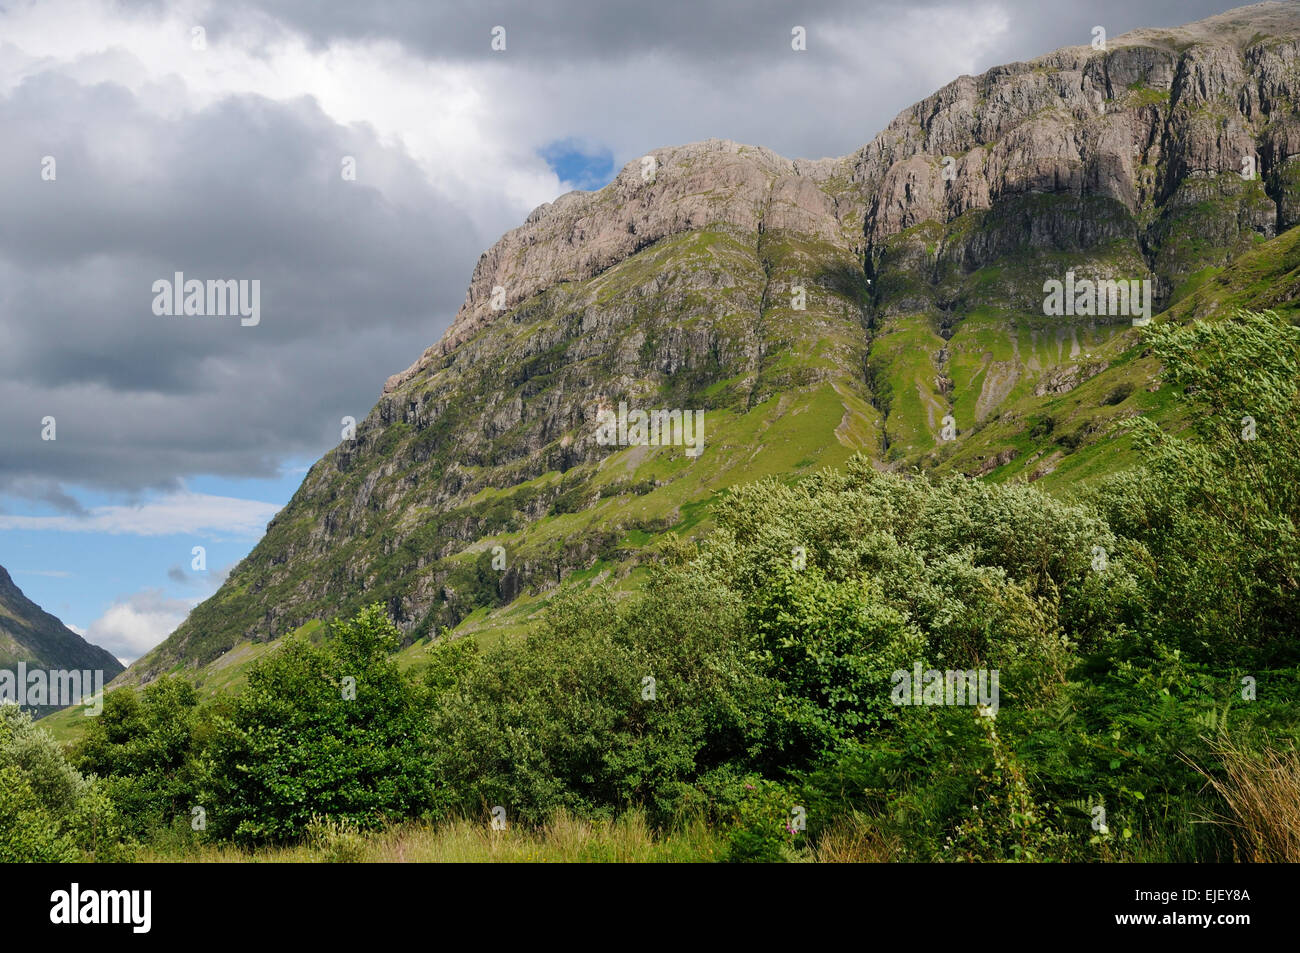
133, 625
196, 514
438, 112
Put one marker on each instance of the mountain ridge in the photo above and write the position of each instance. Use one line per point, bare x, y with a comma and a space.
865, 165
922, 284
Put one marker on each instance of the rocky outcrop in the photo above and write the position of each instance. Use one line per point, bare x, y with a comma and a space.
666, 193
1130, 123
1066, 377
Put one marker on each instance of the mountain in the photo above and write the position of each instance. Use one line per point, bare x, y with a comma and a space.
889, 302
30, 634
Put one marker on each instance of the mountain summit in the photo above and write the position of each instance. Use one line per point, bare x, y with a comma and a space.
890, 302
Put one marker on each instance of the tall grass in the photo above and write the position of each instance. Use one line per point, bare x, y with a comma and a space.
1262, 793
563, 839
855, 840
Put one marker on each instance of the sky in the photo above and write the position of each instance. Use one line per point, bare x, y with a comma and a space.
355, 160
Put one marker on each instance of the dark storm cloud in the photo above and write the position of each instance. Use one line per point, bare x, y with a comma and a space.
44, 491
1040, 27
567, 31
353, 280
635, 76
720, 32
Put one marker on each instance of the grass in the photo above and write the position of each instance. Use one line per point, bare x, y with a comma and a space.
906, 351
855, 840
564, 839
1262, 794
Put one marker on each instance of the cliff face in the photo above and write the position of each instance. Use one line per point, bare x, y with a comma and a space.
682, 189
1161, 127
886, 301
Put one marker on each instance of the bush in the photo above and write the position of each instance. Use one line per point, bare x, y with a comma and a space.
48, 810
334, 731
767, 825
605, 707
832, 647
29, 830
146, 746
1218, 507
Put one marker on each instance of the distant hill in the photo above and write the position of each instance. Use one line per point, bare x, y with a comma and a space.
30, 634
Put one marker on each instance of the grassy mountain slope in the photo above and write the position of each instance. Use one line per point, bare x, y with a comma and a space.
30, 634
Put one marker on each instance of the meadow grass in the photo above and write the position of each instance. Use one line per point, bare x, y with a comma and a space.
563, 839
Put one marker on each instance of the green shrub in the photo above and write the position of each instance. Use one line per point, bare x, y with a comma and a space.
146, 747
605, 707
1218, 506
334, 731
48, 810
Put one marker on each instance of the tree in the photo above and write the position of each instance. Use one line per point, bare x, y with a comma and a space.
332, 730
1218, 502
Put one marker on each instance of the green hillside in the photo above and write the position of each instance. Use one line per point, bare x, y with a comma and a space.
889, 303
34, 637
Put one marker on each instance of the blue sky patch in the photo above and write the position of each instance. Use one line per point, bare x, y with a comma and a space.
579, 164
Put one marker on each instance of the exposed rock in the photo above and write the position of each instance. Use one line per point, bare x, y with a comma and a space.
1049, 464
1063, 379
1000, 459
